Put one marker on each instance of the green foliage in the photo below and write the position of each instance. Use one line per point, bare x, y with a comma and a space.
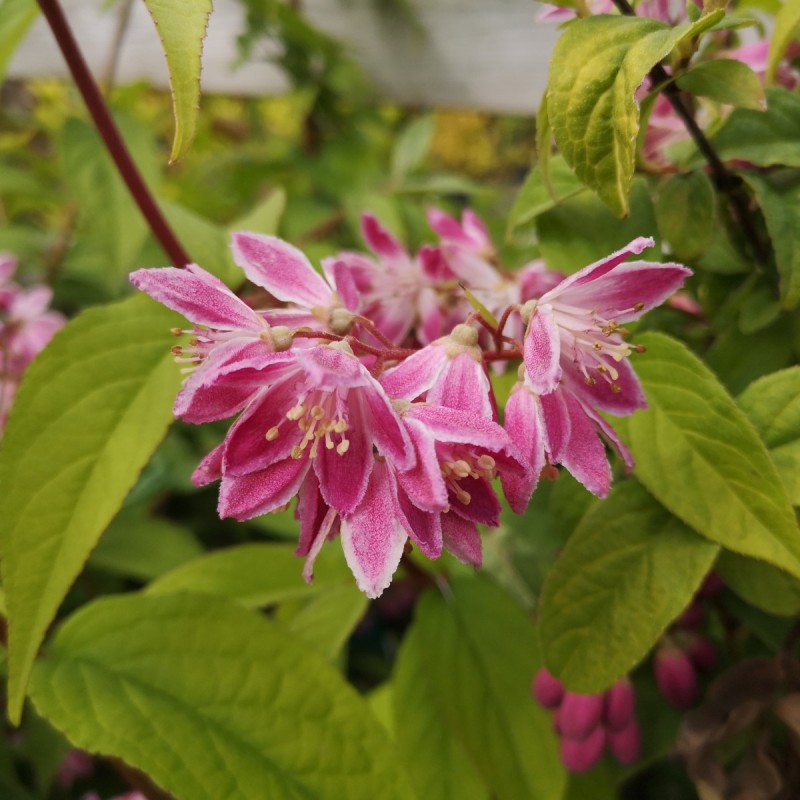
699, 455
463, 684
597, 65
773, 405
601, 232
90, 413
787, 21
16, 16
212, 701
780, 205
627, 571
182, 28
725, 80
764, 138
760, 584
685, 211
411, 147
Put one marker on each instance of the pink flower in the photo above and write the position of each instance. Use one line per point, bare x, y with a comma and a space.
574, 330
317, 303
226, 334
318, 408
396, 291
547, 690
448, 372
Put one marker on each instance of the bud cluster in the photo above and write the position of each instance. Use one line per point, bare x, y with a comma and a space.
367, 396
684, 651
588, 724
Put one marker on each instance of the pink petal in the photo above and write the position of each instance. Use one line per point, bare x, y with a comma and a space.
629, 397
423, 483
460, 427
424, 528
199, 296
260, 492
246, 446
470, 267
462, 539
525, 425
324, 532
343, 479
628, 291
416, 374
293, 318
535, 280
207, 396
310, 511
30, 303
483, 508
281, 269
610, 435
599, 268
542, 350
475, 228
340, 275
8, 266
464, 385
373, 536
585, 456
379, 240
210, 468
385, 427
330, 368
556, 419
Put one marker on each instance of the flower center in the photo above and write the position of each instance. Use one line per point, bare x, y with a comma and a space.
457, 466
318, 421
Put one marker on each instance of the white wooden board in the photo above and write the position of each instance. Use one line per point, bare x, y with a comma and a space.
487, 54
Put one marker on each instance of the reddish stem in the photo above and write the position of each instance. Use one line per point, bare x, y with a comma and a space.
502, 355
109, 132
371, 327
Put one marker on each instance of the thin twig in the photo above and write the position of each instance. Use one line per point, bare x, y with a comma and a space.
724, 180
108, 130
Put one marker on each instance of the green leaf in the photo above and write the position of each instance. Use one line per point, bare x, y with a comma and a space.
255, 575
108, 216
541, 191
760, 584
212, 701
140, 546
16, 17
787, 22
601, 232
206, 241
781, 209
329, 617
438, 763
411, 147
90, 412
685, 210
463, 683
725, 80
764, 138
264, 217
772, 404
629, 569
597, 65
700, 456
182, 28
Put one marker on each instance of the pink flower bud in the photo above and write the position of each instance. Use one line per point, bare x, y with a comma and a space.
702, 653
712, 585
676, 677
579, 714
547, 690
626, 744
580, 755
692, 617
619, 704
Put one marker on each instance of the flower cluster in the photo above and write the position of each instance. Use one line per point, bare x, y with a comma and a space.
367, 395
589, 723
26, 326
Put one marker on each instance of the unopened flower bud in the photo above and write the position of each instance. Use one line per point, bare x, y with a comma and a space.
702, 653
465, 335
579, 714
692, 617
712, 585
580, 755
547, 690
281, 338
626, 744
341, 321
676, 677
618, 705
